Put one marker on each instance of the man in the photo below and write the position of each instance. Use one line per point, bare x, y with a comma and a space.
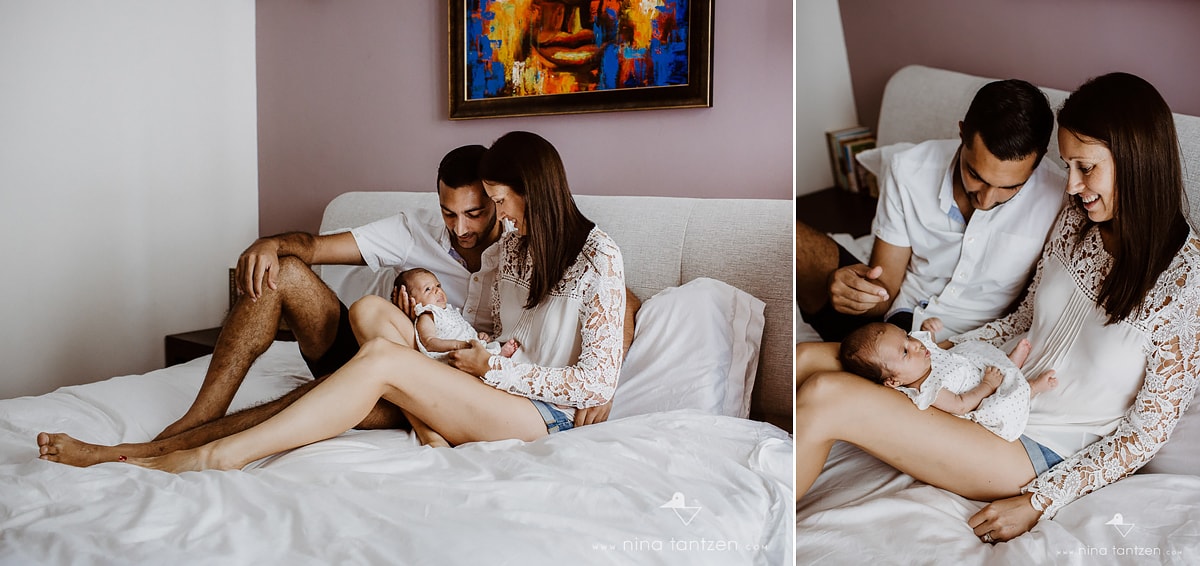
959, 227
277, 283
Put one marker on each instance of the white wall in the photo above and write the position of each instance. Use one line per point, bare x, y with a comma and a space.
824, 100
128, 180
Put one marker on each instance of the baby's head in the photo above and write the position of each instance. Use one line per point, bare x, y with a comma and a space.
423, 286
883, 353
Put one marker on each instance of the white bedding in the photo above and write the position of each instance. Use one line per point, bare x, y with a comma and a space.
594, 495
863, 511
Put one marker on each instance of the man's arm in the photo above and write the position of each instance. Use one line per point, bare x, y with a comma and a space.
261, 260
870, 290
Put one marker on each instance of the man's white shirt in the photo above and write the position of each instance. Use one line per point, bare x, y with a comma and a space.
964, 274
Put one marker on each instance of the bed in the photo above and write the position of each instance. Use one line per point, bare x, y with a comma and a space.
861, 510
678, 475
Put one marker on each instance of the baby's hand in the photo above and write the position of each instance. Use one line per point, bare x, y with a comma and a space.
485, 337
992, 377
932, 325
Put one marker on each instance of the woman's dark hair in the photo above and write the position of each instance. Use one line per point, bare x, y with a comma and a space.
1127, 115
859, 350
555, 229
1012, 117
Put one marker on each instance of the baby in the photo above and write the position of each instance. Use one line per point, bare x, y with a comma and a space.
441, 328
974, 380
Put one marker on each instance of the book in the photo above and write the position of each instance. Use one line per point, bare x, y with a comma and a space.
837, 162
850, 148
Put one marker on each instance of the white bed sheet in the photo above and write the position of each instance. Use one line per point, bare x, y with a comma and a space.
863, 511
594, 495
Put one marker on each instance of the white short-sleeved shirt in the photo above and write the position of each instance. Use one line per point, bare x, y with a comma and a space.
964, 274
419, 239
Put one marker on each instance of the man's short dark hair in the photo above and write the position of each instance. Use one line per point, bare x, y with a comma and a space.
460, 167
1012, 117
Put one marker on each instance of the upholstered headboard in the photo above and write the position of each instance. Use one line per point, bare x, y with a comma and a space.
922, 103
667, 242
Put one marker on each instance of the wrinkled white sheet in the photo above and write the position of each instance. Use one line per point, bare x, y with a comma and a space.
589, 496
862, 511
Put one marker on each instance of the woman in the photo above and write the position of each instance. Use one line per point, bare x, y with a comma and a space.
560, 294
1113, 308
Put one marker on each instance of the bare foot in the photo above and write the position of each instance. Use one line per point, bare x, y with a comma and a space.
181, 461
432, 439
509, 348
64, 449
1045, 381
1021, 352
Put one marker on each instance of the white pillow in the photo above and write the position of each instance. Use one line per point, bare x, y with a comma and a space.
1181, 455
695, 347
878, 160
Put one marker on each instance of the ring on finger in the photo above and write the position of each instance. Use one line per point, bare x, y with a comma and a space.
987, 537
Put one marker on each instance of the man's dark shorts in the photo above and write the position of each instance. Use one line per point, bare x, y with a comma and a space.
834, 326
344, 346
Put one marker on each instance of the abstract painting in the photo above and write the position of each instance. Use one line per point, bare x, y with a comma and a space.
523, 57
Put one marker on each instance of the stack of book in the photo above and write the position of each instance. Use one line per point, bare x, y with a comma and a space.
844, 144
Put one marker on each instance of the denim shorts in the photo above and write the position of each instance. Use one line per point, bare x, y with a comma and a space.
556, 420
1042, 458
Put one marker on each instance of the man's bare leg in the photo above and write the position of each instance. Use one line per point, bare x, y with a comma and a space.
816, 260
311, 310
67, 450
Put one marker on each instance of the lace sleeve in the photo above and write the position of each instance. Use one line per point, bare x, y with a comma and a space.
1169, 385
593, 378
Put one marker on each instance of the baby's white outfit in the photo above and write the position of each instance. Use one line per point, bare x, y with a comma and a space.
450, 325
961, 368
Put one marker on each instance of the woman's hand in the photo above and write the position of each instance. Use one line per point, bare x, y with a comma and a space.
1005, 519
473, 360
403, 300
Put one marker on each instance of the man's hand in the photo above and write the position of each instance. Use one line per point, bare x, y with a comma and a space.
592, 415
853, 290
1005, 519
260, 261
472, 360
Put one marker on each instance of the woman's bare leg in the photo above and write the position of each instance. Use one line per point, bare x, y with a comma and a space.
932, 446
403, 376
813, 357
374, 317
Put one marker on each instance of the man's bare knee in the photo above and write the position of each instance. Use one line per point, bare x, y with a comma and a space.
816, 259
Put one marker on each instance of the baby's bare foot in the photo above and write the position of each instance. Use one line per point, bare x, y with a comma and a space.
1044, 382
64, 449
509, 348
1021, 352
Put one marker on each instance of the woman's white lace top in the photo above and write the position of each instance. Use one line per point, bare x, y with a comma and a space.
1121, 387
570, 351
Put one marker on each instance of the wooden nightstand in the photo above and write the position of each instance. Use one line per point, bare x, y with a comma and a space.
835, 210
188, 346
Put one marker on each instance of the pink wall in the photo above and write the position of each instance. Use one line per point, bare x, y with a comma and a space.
1053, 43
353, 96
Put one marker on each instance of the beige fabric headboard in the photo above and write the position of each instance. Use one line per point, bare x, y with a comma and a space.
667, 242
